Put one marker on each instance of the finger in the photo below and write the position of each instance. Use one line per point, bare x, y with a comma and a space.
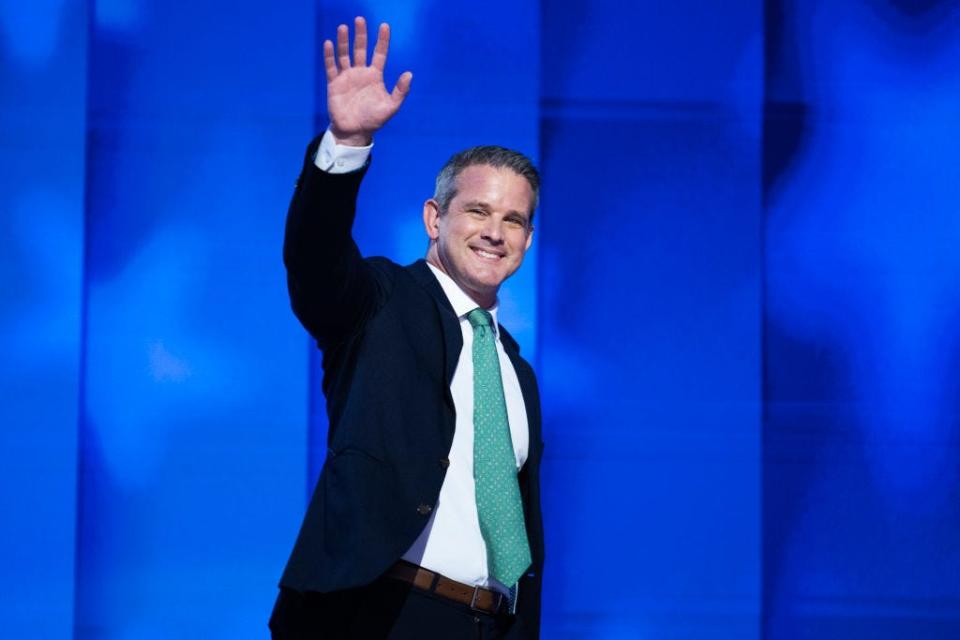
380, 51
328, 62
402, 88
359, 42
343, 50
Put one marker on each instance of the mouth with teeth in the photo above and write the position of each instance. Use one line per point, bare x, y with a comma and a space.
489, 256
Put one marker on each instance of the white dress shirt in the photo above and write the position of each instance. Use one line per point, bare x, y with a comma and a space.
451, 543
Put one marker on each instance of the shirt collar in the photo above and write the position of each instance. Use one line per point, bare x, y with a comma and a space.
461, 302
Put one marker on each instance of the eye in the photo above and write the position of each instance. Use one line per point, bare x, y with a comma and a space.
516, 222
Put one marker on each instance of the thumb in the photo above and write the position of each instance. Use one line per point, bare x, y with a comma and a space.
402, 87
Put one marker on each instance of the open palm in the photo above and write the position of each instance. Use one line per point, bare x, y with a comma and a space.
357, 99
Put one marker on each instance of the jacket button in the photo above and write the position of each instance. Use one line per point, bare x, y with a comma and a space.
424, 509
444, 463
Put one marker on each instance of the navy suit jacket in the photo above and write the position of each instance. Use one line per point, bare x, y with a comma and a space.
390, 342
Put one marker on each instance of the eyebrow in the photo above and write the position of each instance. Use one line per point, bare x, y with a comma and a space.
478, 204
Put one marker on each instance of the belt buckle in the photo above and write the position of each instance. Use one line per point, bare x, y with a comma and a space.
473, 599
495, 607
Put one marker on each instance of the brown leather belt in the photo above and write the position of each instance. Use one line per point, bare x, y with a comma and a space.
477, 598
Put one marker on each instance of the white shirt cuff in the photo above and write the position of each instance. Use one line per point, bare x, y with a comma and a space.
340, 158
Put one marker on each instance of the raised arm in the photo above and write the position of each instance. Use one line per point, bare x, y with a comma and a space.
333, 291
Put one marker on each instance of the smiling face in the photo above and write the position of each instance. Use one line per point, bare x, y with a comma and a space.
482, 237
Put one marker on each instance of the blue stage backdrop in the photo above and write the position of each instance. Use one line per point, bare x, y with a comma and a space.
741, 304
650, 319
43, 72
862, 447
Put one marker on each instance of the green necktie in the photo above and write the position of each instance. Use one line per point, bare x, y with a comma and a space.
494, 464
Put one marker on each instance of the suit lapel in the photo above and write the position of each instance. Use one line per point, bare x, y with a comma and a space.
452, 336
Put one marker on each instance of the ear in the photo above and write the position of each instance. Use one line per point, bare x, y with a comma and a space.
529, 239
431, 218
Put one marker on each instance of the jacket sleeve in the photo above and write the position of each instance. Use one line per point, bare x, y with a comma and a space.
333, 290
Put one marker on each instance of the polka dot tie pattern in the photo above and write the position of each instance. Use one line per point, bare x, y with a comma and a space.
494, 464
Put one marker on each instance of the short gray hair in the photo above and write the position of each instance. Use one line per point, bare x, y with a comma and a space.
489, 155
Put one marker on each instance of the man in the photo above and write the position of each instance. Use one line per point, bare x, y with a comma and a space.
425, 522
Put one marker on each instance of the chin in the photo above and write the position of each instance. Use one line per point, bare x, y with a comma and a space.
479, 288
487, 282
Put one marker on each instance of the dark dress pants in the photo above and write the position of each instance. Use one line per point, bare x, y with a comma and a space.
387, 609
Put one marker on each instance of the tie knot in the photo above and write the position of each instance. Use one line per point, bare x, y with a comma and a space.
480, 318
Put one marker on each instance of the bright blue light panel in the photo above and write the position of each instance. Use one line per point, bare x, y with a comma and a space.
862, 472
605, 51
194, 425
650, 320
43, 58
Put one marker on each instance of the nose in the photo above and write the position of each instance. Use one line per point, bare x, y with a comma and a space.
492, 231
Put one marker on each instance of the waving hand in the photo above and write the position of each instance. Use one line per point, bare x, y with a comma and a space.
357, 99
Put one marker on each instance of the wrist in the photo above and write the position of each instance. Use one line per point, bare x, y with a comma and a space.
355, 139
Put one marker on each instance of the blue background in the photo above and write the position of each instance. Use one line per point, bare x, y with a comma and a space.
741, 303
